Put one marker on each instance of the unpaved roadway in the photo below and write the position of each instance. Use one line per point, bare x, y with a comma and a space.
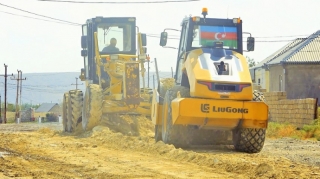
43, 151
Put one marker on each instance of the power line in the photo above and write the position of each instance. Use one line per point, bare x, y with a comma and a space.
74, 24
37, 18
148, 34
282, 36
124, 2
39, 14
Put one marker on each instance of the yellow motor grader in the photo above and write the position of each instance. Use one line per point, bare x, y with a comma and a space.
211, 100
114, 53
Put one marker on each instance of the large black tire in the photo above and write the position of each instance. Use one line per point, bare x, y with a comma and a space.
176, 135
92, 107
162, 89
65, 111
250, 140
75, 110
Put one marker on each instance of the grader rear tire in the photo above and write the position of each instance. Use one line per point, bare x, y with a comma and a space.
173, 134
92, 107
75, 110
247, 139
65, 111
165, 85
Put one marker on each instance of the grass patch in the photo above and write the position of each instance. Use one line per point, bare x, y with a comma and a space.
277, 130
313, 130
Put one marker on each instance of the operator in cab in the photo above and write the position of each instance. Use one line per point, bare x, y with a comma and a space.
112, 47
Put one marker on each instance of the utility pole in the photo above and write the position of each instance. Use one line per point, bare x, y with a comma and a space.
14, 78
5, 93
19, 79
77, 83
21, 91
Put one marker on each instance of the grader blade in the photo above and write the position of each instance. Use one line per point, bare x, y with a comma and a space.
131, 85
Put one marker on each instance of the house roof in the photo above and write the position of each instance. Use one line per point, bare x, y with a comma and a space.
279, 52
301, 50
45, 107
309, 52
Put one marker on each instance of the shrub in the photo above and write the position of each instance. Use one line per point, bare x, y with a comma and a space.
51, 117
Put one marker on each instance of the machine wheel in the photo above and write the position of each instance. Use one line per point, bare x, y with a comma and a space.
92, 107
158, 133
65, 111
75, 110
173, 134
164, 86
247, 139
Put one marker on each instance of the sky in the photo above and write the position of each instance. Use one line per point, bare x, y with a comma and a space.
38, 46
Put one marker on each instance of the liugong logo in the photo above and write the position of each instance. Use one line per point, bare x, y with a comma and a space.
205, 108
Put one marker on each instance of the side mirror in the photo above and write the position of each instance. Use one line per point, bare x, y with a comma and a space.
84, 53
144, 39
163, 39
250, 43
83, 41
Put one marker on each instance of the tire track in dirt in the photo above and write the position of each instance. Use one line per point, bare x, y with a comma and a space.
102, 153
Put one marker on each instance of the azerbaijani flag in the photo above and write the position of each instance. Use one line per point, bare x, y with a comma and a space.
209, 34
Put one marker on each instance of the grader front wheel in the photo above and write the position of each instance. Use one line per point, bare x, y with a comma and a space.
75, 110
92, 107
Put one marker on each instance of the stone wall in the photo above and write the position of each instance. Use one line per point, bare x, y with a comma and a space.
298, 112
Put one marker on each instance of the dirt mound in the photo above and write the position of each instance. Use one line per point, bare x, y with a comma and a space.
218, 161
102, 152
131, 125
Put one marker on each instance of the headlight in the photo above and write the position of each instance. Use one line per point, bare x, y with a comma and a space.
236, 20
196, 19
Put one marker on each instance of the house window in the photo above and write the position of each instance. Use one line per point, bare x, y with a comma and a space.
259, 81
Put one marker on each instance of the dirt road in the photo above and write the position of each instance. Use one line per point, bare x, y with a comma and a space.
42, 151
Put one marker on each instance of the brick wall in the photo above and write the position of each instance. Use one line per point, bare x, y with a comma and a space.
294, 111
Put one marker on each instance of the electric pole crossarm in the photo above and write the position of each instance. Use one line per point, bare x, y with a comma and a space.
77, 83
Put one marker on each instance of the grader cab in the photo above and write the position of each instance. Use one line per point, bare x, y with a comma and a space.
114, 53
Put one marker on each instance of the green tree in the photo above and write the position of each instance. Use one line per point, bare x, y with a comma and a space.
251, 62
28, 105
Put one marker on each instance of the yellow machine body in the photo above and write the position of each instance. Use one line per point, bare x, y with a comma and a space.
214, 109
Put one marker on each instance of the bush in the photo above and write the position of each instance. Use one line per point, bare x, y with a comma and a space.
51, 117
